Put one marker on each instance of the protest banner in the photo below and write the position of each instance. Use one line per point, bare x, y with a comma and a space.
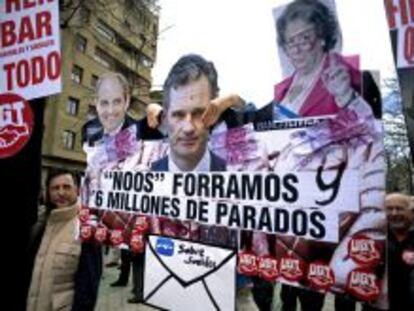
30, 65
16, 124
30, 61
304, 178
400, 15
322, 200
405, 47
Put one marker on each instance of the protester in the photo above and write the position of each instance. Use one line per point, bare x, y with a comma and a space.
66, 274
400, 252
114, 257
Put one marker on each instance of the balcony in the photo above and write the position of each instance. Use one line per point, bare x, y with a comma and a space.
117, 57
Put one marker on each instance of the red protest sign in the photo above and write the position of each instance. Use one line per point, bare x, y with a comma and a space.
364, 251
363, 284
16, 124
247, 263
30, 59
320, 276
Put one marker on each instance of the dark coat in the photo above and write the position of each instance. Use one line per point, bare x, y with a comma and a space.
92, 131
217, 164
400, 287
88, 277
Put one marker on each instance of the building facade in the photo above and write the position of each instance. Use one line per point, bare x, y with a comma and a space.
97, 36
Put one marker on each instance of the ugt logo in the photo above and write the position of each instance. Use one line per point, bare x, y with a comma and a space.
165, 246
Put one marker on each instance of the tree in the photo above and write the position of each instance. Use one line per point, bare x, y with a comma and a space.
397, 150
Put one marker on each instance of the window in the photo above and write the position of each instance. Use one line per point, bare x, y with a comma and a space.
69, 139
94, 81
77, 73
80, 43
145, 61
103, 58
105, 31
72, 106
84, 14
92, 114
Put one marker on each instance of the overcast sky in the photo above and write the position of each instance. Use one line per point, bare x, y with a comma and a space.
239, 37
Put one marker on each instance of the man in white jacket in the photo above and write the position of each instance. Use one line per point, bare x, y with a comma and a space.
53, 279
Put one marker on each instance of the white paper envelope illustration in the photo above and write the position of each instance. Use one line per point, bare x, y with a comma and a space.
184, 275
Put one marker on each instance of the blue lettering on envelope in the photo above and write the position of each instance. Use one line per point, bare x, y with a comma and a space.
165, 246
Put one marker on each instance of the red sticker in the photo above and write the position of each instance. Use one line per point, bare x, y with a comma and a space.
116, 237
142, 224
137, 242
320, 276
268, 268
247, 263
84, 215
86, 232
16, 124
363, 284
291, 268
364, 250
101, 234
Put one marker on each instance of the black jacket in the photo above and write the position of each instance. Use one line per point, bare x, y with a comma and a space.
92, 130
400, 274
217, 164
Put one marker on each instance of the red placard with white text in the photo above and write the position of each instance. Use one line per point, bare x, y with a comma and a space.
16, 124
30, 58
400, 15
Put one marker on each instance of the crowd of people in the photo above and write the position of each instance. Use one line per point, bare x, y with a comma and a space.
66, 273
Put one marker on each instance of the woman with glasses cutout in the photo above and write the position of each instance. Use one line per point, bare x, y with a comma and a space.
323, 81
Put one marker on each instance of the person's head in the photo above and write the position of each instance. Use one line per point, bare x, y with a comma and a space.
61, 189
306, 29
188, 89
112, 100
397, 206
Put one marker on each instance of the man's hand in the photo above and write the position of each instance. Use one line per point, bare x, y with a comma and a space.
154, 113
219, 105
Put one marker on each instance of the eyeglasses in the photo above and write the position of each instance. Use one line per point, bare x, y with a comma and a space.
305, 40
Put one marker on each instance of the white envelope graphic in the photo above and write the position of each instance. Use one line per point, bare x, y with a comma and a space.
184, 275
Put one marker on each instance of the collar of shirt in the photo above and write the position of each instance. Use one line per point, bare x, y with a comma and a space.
114, 132
202, 166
